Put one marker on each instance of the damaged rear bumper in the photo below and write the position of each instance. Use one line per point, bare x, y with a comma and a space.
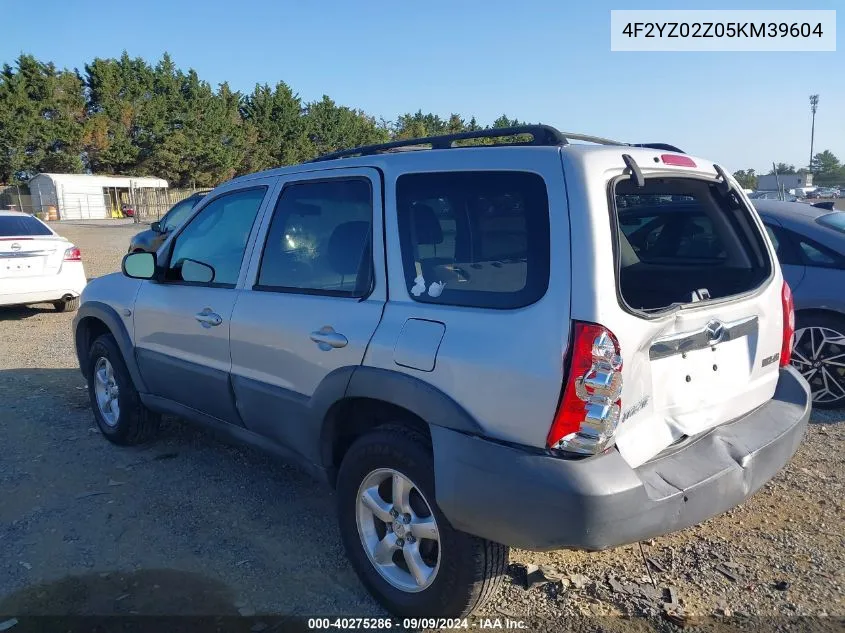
539, 502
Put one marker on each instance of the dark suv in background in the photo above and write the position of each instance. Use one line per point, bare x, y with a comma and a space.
153, 237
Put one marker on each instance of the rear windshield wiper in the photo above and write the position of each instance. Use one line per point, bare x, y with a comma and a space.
673, 307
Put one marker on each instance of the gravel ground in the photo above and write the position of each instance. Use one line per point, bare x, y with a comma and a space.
189, 525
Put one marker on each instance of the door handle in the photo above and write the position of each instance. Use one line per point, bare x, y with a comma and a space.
208, 318
326, 338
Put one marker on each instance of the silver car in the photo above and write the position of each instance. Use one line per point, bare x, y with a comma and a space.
810, 244
477, 346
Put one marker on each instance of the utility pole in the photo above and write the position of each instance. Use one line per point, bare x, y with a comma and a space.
814, 104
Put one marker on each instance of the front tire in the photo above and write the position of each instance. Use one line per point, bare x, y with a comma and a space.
117, 407
401, 546
818, 352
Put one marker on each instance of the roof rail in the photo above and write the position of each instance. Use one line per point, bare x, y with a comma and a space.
541, 136
664, 146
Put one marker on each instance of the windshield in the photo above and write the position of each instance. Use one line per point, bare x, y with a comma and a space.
179, 213
835, 221
21, 225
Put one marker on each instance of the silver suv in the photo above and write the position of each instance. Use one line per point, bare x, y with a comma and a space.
478, 345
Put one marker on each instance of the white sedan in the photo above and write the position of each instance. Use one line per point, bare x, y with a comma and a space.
37, 265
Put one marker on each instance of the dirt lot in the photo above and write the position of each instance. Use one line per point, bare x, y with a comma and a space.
191, 525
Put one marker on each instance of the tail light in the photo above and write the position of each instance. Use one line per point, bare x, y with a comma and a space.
73, 254
589, 410
788, 324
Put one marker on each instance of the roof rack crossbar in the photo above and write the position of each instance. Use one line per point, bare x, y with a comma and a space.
541, 135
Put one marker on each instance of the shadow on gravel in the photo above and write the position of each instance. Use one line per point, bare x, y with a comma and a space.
146, 592
62, 383
16, 313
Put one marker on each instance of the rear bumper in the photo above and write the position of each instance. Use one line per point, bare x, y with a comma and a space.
538, 502
70, 282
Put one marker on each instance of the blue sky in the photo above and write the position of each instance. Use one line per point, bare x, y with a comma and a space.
538, 60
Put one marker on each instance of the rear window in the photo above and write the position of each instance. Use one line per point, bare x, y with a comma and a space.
21, 225
682, 240
834, 221
476, 239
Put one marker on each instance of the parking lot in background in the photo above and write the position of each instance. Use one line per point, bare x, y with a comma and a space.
191, 525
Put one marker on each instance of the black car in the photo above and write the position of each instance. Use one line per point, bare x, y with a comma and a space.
153, 237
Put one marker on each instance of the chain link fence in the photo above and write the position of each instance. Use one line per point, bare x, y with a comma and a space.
149, 205
16, 198
142, 205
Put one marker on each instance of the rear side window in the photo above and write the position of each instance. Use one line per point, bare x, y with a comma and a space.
21, 225
476, 239
835, 220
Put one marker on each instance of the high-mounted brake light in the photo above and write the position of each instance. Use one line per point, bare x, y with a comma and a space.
73, 254
589, 410
788, 324
677, 160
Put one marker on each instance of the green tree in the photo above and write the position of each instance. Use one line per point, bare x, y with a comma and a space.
746, 178
419, 125
126, 116
825, 162
274, 128
827, 170
783, 168
118, 92
41, 113
331, 127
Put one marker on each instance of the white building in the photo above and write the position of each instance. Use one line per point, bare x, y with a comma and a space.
86, 196
769, 182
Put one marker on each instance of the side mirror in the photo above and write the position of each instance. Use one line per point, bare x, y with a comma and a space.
139, 265
195, 271
155, 227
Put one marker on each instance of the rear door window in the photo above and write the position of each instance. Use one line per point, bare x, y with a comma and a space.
320, 240
21, 226
476, 239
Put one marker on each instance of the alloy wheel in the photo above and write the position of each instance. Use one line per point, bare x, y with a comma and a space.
106, 392
819, 354
398, 530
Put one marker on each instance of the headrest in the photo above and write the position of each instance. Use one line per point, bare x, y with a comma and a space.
426, 225
346, 246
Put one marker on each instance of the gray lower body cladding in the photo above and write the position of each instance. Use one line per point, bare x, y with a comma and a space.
540, 502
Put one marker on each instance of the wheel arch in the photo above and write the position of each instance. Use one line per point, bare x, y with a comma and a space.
820, 312
94, 319
376, 397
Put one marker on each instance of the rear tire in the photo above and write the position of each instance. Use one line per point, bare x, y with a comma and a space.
118, 410
467, 570
819, 354
67, 305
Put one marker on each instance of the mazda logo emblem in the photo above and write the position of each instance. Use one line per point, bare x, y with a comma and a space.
16, 247
715, 331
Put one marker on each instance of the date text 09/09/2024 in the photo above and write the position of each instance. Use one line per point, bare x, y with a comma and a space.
358, 624
722, 29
